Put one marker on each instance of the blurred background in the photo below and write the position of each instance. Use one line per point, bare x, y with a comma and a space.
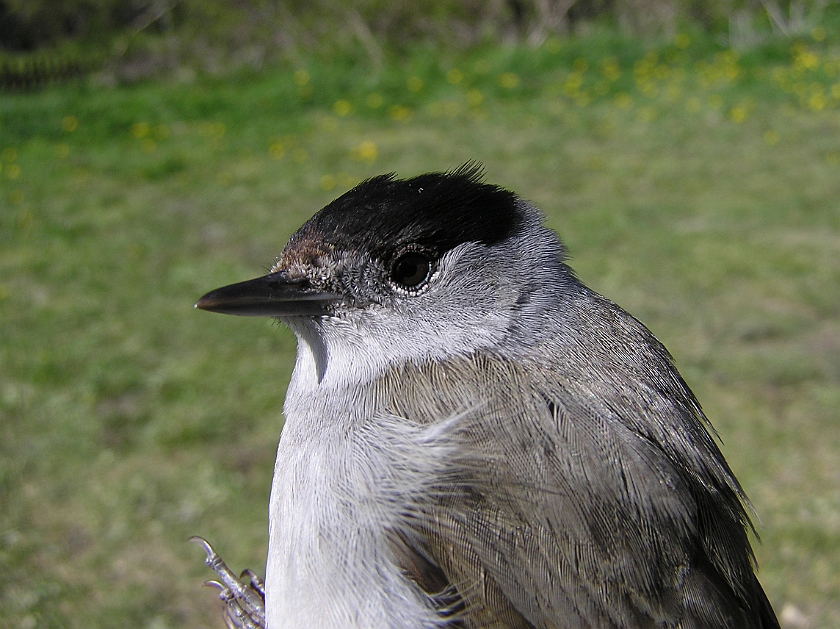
687, 152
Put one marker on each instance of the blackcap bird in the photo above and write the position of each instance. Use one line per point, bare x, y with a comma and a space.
475, 439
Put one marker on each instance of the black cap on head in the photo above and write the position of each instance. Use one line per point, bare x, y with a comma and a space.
437, 211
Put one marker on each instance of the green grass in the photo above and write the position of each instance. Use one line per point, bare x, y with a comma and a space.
698, 188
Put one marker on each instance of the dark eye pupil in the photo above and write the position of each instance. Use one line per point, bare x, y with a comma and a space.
411, 270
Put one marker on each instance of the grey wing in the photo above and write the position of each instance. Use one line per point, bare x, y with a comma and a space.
561, 513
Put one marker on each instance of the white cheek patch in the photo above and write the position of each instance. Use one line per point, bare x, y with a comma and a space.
460, 312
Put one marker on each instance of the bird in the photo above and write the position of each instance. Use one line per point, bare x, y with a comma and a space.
475, 439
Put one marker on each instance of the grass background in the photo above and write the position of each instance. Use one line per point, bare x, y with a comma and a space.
697, 186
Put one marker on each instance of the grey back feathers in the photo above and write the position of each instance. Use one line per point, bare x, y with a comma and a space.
476, 439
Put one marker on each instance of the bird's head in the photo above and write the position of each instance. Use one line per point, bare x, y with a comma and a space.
427, 267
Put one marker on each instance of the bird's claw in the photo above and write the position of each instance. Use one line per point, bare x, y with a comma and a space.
244, 601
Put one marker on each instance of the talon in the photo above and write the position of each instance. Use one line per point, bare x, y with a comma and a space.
225, 593
244, 604
255, 581
211, 554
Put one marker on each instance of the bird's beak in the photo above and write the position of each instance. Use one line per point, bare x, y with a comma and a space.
273, 295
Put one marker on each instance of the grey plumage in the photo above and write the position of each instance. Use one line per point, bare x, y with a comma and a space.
476, 439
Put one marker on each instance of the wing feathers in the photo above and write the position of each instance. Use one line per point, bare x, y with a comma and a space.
561, 510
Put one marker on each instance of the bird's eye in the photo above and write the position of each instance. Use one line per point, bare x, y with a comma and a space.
411, 269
